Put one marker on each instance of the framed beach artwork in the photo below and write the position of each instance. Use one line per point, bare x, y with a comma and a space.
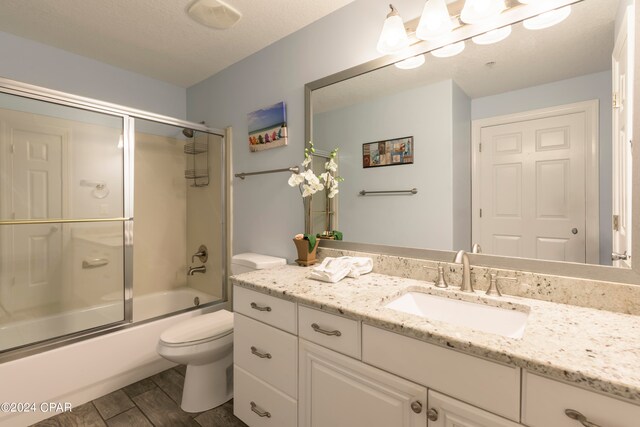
391, 152
268, 127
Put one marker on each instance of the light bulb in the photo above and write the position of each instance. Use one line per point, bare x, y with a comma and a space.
477, 11
410, 63
547, 19
449, 50
393, 37
493, 36
434, 21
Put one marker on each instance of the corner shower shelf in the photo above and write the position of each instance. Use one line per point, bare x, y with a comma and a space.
198, 158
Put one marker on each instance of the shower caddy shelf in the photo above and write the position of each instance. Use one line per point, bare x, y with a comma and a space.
198, 153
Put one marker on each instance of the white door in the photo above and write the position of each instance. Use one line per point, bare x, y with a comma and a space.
338, 391
622, 158
532, 188
447, 412
32, 253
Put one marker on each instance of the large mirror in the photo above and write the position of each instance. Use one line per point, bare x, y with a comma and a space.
515, 146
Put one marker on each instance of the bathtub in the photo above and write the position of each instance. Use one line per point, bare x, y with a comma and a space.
110, 310
82, 371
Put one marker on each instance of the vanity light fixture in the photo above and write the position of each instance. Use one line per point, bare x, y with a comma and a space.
493, 36
449, 50
410, 63
435, 21
547, 19
478, 11
393, 37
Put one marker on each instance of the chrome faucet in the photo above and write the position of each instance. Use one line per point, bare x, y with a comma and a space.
463, 258
194, 270
476, 249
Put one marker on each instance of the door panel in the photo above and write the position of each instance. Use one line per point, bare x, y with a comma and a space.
450, 412
532, 188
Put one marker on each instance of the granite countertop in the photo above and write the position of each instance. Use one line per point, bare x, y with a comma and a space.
593, 348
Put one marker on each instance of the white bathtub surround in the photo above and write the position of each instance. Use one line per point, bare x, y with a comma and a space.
596, 349
620, 298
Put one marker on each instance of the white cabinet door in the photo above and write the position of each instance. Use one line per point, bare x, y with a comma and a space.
447, 412
338, 391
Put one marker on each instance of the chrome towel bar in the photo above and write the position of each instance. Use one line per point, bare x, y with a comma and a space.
412, 191
242, 175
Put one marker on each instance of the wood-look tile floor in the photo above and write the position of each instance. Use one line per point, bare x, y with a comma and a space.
154, 401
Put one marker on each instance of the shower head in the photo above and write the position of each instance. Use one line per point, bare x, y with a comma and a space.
187, 132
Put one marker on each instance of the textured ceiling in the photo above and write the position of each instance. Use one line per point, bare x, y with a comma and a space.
580, 45
156, 37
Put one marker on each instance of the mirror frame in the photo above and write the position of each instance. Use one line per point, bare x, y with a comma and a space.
565, 269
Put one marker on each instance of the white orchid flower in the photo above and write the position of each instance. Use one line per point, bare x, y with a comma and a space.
307, 191
332, 193
306, 162
331, 165
296, 179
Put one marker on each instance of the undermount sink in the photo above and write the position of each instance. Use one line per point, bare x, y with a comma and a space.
485, 318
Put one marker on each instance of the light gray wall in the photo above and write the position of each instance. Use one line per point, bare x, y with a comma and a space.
461, 174
38, 64
267, 212
583, 88
424, 220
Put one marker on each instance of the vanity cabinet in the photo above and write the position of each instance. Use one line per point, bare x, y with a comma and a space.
265, 357
446, 412
300, 366
339, 391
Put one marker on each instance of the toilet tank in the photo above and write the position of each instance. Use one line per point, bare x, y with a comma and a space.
242, 263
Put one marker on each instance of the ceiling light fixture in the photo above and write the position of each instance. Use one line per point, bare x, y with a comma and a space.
435, 21
393, 37
214, 14
410, 63
547, 19
449, 50
493, 36
478, 11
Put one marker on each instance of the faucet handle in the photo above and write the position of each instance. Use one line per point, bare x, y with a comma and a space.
493, 284
440, 281
202, 254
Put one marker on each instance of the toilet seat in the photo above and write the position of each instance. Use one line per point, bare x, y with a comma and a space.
199, 329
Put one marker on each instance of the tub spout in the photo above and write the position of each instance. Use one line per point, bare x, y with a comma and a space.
194, 270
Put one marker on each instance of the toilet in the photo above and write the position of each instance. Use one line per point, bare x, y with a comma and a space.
205, 344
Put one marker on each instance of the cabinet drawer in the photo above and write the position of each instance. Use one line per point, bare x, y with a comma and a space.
482, 383
334, 332
266, 352
258, 404
544, 402
265, 308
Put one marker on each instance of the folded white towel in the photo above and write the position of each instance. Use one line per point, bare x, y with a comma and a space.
335, 269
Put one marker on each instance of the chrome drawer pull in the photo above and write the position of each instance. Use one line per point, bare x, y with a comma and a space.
575, 415
260, 413
259, 354
324, 331
257, 307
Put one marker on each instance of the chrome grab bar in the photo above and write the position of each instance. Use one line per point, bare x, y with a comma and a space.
95, 263
242, 175
260, 413
260, 354
257, 307
317, 328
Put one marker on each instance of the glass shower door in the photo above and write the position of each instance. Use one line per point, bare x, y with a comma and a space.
61, 220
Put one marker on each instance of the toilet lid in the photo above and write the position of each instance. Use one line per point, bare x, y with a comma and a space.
198, 328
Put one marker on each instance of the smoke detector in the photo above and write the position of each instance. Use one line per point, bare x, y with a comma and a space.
214, 14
